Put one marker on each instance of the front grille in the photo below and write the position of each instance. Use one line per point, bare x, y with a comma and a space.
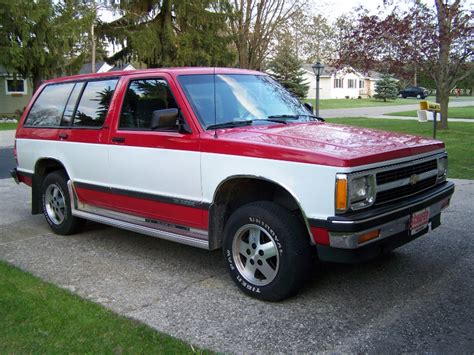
403, 191
385, 177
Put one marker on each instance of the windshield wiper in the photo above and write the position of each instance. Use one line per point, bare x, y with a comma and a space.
230, 124
295, 117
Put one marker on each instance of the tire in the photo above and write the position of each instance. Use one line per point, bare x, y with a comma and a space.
56, 204
267, 251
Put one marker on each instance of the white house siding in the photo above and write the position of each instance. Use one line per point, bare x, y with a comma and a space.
326, 84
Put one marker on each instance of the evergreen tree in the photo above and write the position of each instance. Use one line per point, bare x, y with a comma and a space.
287, 69
163, 33
42, 39
386, 88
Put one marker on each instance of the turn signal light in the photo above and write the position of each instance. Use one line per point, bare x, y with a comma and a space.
341, 193
368, 236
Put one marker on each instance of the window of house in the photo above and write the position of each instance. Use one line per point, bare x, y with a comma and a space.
94, 103
142, 98
49, 106
352, 84
361, 84
15, 86
338, 83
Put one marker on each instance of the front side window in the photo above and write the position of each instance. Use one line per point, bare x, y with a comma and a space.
143, 97
94, 104
16, 86
49, 106
226, 98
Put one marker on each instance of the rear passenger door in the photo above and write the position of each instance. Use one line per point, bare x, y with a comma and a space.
83, 138
154, 173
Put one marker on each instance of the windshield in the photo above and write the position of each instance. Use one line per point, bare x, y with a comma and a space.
239, 97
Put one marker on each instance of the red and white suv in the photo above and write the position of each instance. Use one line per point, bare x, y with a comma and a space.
226, 158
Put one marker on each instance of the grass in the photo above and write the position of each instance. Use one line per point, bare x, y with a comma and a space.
37, 317
454, 112
6, 126
458, 139
351, 103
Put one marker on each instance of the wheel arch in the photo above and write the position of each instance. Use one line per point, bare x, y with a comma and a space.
43, 167
251, 188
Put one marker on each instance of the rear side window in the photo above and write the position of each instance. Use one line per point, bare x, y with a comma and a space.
71, 104
49, 106
94, 105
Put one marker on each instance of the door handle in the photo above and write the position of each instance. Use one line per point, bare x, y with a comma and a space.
118, 139
63, 136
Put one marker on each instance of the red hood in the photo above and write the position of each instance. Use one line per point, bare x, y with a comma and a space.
320, 143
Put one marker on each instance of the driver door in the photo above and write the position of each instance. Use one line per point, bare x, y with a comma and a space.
154, 173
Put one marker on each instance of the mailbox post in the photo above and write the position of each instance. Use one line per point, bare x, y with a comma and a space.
432, 107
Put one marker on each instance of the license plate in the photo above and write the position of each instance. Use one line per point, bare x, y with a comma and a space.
419, 220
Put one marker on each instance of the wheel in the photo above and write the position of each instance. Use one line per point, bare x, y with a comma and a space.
56, 204
267, 251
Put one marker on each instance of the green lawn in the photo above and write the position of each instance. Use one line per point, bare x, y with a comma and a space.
5, 126
350, 103
454, 112
37, 317
458, 139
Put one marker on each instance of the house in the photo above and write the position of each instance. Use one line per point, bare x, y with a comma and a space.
15, 92
103, 67
340, 83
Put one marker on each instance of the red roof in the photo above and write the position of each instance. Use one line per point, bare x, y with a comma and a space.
172, 71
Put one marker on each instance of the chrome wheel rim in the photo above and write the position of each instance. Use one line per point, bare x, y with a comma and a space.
255, 254
55, 204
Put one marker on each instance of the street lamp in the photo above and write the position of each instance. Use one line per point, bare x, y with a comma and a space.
318, 70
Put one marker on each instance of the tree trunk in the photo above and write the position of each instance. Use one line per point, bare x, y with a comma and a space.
37, 80
444, 102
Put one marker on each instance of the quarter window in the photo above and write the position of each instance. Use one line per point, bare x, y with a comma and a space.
142, 98
49, 106
94, 105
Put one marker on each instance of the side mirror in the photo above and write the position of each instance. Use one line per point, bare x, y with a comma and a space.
308, 106
166, 118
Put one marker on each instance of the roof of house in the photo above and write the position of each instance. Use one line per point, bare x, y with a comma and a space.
87, 67
329, 70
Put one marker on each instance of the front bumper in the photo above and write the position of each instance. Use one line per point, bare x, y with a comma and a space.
392, 223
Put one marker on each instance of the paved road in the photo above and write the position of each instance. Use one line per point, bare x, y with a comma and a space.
381, 110
417, 299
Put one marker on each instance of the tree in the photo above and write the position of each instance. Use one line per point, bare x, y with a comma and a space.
386, 88
287, 69
171, 33
42, 39
254, 25
420, 41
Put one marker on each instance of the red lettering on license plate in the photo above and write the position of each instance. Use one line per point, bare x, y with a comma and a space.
419, 220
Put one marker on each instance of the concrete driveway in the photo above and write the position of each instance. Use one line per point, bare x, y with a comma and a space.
417, 299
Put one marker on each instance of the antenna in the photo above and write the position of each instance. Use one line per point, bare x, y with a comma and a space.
215, 104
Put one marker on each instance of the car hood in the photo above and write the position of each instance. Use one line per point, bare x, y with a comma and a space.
324, 143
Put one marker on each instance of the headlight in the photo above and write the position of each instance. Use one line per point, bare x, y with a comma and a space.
354, 192
442, 167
